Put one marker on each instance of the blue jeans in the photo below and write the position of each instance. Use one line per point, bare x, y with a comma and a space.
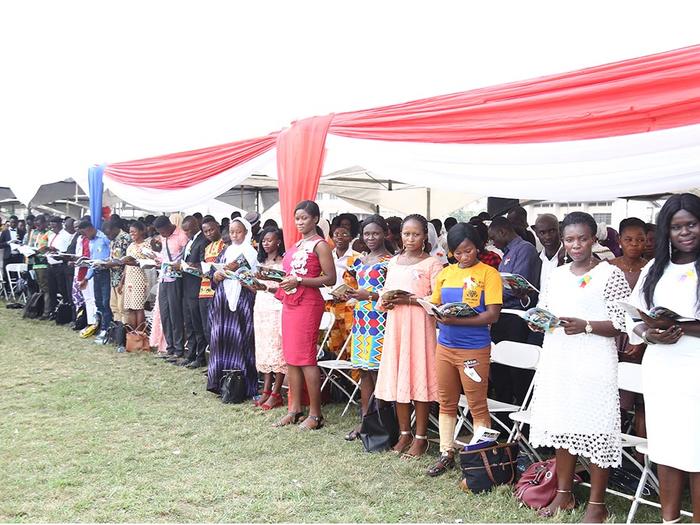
103, 289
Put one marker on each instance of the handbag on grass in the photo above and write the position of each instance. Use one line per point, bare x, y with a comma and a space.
232, 387
485, 468
538, 484
137, 340
380, 427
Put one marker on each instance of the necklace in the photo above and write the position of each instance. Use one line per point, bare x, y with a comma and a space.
629, 266
411, 260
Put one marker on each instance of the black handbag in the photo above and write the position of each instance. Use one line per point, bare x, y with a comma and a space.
64, 313
380, 427
232, 387
485, 468
116, 334
80, 318
34, 307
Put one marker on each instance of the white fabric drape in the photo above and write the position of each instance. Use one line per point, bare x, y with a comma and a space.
638, 164
231, 286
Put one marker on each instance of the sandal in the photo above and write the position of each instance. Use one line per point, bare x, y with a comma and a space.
278, 402
406, 446
290, 418
546, 512
266, 394
445, 462
319, 423
407, 455
352, 435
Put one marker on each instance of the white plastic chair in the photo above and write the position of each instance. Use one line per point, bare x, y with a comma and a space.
16, 269
517, 355
339, 366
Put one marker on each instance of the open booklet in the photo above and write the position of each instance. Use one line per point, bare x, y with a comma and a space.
448, 309
27, 251
483, 438
517, 283
188, 268
539, 317
658, 312
271, 274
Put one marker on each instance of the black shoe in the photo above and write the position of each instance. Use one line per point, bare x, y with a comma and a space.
182, 362
195, 364
45, 317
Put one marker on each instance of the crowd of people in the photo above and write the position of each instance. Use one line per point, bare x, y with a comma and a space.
269, 331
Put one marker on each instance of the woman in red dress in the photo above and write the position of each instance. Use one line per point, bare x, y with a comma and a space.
309, 266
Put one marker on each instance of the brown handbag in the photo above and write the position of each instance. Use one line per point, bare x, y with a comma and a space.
137, 339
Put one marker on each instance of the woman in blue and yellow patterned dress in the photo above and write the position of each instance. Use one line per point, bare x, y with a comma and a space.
369, 323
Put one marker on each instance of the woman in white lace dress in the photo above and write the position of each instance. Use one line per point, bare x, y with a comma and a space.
575, 406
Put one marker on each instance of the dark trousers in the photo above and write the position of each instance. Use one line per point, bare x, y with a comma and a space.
42, 281
170, 305
509, 384
204, 313
194, 327
57, 285
103, 289
68, 275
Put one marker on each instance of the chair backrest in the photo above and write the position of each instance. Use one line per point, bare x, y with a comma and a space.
16, 268
327, 321
517, 355
629, 377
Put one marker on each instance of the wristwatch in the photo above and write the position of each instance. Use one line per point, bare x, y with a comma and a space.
298, 279
589, 328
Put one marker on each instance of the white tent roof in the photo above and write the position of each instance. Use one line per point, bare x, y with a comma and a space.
89, 83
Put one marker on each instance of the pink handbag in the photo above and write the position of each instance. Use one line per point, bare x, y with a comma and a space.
537, 486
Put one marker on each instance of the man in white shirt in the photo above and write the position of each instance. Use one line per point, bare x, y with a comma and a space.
552, 254
58, 241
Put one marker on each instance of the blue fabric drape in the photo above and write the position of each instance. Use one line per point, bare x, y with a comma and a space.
95, 188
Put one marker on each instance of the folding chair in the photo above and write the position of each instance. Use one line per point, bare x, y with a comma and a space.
325, 326
2, 284
516, 355
17, 269
339, 366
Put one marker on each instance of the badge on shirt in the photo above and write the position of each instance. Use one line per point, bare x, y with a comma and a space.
469, 370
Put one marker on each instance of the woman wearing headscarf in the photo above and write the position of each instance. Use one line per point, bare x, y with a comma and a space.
232, 343
435, 249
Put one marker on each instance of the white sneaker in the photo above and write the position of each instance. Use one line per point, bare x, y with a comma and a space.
100, 338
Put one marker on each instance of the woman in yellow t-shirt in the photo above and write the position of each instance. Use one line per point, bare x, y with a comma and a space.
464, 343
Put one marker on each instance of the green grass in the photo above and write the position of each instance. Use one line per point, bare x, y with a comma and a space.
91, 435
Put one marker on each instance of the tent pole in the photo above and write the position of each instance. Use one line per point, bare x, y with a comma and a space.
427, 203
257, 200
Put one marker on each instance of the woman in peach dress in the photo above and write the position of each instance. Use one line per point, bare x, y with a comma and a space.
407, 372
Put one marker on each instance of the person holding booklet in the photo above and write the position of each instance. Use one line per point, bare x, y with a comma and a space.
575, 406
309, 266
342, 309
369, 322
133, 282
672, 357
407, 373
464, 343
267, 318
232, 345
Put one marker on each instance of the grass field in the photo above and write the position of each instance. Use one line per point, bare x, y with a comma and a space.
91, 435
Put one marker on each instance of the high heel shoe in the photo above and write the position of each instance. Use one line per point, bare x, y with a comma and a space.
408, 455
290, 418
278, 402
319, 423
405, 447
264, 393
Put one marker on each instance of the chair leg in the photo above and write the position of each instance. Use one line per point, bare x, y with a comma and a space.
638, 492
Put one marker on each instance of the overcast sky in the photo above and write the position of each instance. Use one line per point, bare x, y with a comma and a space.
86, 82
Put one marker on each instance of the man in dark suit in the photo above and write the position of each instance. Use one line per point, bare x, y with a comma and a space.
194, 324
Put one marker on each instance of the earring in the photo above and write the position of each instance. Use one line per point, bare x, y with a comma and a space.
567, 259
670, 250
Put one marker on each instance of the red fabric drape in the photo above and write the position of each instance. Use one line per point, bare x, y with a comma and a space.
633, 96
182, 170
300, 154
